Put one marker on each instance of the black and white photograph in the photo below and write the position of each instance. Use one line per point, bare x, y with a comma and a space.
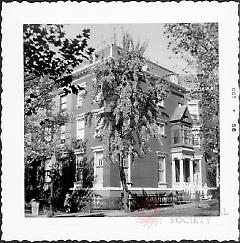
110, 132
123, 123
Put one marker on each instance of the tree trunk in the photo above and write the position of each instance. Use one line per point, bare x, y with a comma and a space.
125, 198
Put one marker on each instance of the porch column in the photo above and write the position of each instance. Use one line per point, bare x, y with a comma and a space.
181, 172
191, 170
173, 173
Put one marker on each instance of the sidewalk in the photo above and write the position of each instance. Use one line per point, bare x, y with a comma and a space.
202, 208
63, 214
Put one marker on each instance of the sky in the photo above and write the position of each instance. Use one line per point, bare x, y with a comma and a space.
157, 50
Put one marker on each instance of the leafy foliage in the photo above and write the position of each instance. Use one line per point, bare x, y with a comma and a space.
49, 59
198, 44
128, 97
48, 53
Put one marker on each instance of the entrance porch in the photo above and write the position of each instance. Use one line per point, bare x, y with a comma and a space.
186, 174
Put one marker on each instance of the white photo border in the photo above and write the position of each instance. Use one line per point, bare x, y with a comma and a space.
14, 224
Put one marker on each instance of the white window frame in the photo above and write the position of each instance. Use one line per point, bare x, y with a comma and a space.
80, 95
81, 118
47, 167
164, 169
63, 97
79, 166
196, 133
99, 162
193, 108
79, 159
161, 129
126, 162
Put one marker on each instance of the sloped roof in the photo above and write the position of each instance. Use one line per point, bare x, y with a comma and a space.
178, 114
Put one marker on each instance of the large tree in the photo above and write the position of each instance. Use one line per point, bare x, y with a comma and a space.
49, 59
198, 44
130, 99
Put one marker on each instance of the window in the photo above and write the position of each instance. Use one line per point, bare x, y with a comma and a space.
99, 158
194, 117
98, 126
102, 54
161, 129
180, 104
125, 162
196, 166
62, 134
177, 170
79, 166
126, 168
161, 170
81, 94
176, 136
80, 128
80, 98
79, 161
193, 110
186, 134
97, 97
63, 102
196, 138
48, 167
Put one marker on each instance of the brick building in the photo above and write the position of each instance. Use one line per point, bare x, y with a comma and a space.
173, 164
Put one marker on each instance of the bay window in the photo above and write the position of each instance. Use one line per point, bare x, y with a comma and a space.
176, 136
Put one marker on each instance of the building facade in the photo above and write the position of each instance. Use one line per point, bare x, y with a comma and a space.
172, 164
